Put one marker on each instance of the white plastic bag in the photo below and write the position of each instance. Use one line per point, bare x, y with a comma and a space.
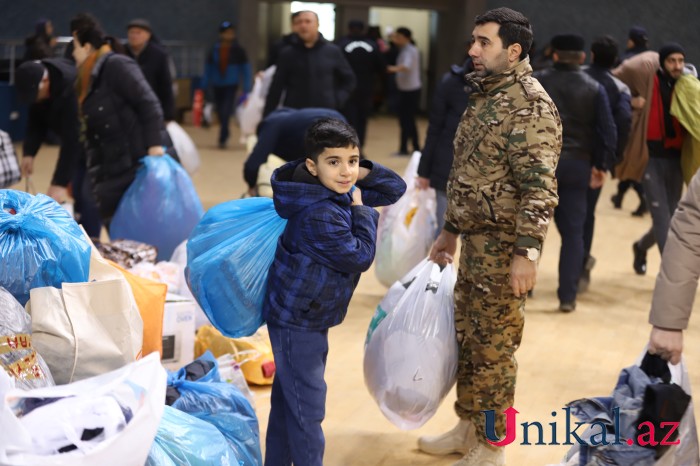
410, 361
180, 258
406, 229
186, 150
139, 389
249, 113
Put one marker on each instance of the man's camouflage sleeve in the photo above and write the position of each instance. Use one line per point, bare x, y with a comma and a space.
534, 145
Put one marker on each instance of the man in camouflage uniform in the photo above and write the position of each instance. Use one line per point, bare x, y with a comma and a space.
501, 195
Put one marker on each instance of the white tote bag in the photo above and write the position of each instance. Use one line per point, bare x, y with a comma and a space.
139, 389
87, 329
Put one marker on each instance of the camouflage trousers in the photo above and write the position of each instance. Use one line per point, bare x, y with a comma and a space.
489, 321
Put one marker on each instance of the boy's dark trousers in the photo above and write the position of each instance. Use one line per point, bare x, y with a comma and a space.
224, 102
298, 401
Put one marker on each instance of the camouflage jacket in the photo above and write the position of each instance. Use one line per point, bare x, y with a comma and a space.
505, 153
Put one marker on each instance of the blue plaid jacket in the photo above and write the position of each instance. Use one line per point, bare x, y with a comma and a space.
325, 247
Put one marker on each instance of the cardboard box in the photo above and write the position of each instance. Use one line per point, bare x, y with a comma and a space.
178, 332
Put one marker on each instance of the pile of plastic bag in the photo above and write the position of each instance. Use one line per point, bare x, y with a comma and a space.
406, 229
410, 361
228, 259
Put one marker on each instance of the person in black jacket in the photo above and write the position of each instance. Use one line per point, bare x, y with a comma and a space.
367, 62
284, 41
154, 63
603, 57
313, 72
48, 85
588, 151
449, 102
41, 44
121, 118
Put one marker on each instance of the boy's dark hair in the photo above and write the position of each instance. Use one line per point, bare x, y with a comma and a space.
328, 133
515, 27
605, 51
83, 21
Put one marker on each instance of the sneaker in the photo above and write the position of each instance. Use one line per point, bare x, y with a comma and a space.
458, 440
641, 210
568, 306
640, 259
585, 279
481, 455
617, 200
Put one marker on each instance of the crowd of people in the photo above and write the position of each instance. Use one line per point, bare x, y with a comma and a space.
507, 150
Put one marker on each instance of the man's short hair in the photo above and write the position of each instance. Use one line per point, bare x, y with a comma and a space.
404, 31
605, 51
328, 133
514, 27
299, 13
83, 21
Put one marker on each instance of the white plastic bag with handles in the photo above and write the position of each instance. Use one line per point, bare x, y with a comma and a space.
406, 229
410, 361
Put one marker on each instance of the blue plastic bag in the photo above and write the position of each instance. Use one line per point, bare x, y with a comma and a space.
161, 207
224, 406
40, 244
184, 440
228, 257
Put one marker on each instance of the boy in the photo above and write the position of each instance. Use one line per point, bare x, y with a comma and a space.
328, 242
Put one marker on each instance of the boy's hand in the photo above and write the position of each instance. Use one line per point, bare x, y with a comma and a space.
363, 172
356, 196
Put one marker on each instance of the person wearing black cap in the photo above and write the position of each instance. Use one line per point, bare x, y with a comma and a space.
367, 62
588, 151
154, 62
663, 178
637, 42
48, 86
226, 68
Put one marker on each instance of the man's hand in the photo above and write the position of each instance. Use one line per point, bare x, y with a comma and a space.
156, 150
444, 248
638, 102
422, 182
356, 196
27, 166
58, 193
597, 178
666, 343
523, 275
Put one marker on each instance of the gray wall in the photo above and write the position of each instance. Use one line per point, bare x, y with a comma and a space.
188, 20
667, 20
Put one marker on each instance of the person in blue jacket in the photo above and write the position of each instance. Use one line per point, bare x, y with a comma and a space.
227, 67
328, 242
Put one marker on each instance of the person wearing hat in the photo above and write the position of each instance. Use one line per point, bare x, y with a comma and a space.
588, 151
154, 61
637, 42
226, 68
48, 87
367, 62
663, 178
409, 84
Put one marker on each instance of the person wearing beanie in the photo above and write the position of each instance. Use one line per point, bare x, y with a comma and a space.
588, 151
47, 86
663, 178
637, 42
154, 61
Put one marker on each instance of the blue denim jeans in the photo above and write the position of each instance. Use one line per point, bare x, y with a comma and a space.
298, 401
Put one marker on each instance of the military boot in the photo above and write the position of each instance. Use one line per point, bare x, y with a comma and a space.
458, 440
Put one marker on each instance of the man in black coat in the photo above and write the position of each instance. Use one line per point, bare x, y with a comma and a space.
154, 62
588, 151
367, 62
312, 72
48, 85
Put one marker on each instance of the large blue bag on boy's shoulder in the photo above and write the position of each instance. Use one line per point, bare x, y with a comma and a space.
228, 257
161, 207
40, 244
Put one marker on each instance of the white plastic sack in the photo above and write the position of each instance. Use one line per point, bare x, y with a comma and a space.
180, 258
410, 361
186, 150
127, 403
406, 229
249, 113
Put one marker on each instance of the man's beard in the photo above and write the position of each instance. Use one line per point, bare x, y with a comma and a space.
499, 66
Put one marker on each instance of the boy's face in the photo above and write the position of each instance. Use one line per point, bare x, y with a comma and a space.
337, 168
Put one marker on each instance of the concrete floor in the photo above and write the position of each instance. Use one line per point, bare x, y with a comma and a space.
563, 357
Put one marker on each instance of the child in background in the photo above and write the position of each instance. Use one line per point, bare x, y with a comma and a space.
328, 242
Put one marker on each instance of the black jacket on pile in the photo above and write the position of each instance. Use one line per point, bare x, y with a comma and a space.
449, 102
619, 99
366, 62
155, 65
59, 114
123, 119
588, 127
319, 76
